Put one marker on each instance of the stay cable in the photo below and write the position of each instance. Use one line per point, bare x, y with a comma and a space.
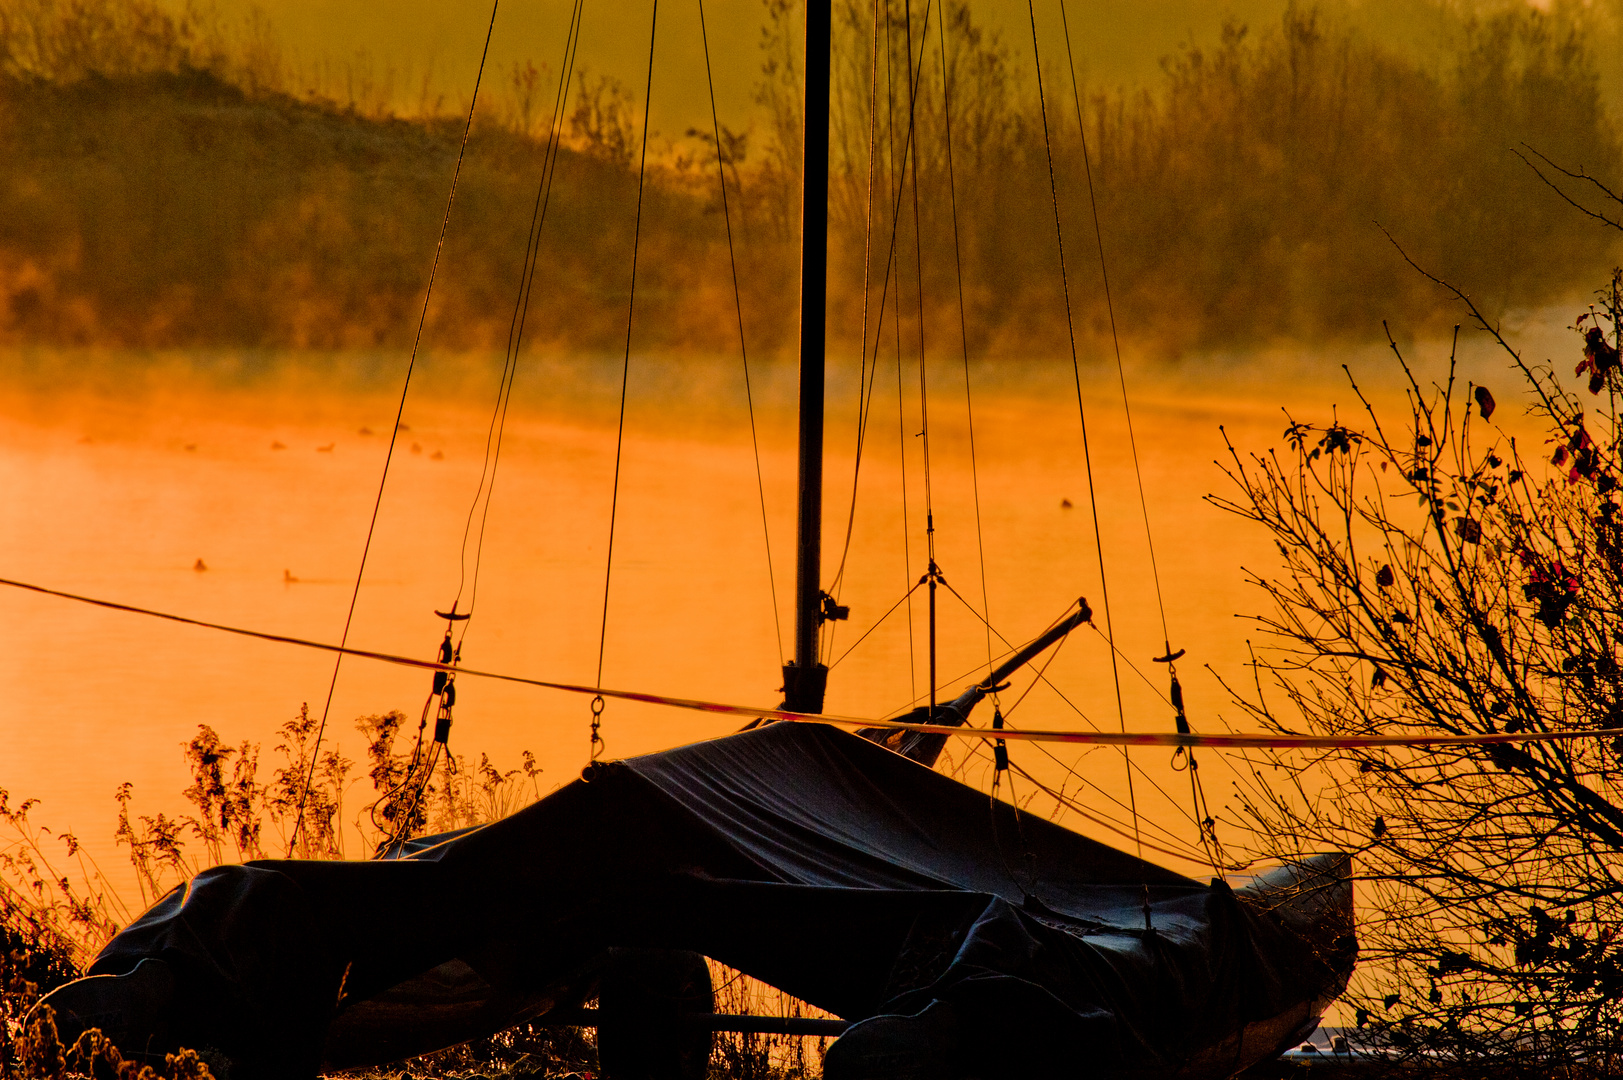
394, 435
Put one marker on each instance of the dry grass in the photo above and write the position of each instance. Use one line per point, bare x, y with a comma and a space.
55, 914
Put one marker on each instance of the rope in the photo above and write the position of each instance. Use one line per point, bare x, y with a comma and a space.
1076, 370
625, 379
738, 305
394, 434
1231, 740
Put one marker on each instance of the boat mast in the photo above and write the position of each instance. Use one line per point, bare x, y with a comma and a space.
805, 678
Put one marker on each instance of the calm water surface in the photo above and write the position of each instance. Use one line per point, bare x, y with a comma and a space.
122, 493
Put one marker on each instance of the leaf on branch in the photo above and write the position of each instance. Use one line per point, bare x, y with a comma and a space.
1379, 830
1485, 403
1377, 680
1470, 531
1384, 577
1600, 359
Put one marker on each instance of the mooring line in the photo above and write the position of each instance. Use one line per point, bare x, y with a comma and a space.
1101, 738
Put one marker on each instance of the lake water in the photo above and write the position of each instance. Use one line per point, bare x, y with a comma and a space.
118, 486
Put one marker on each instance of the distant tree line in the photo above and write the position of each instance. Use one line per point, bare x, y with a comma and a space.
171, 184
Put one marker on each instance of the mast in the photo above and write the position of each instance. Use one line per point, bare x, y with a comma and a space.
805, 677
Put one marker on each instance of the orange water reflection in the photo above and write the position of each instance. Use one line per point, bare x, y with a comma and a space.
119, 496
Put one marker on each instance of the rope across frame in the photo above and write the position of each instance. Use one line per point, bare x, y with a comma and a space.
1236, 741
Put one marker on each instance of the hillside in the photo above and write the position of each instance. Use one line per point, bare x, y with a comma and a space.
184, 206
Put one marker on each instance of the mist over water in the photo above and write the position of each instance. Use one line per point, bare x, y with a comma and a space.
268, 481
170, 186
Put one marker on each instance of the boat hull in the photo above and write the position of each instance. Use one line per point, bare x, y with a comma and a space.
822, 864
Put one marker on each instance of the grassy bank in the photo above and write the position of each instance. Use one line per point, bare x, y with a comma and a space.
162, 187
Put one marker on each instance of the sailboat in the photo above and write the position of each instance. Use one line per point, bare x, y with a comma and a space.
951, 938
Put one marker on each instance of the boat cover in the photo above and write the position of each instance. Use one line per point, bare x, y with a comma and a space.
812, 859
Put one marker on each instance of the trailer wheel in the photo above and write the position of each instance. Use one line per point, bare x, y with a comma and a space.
644, 999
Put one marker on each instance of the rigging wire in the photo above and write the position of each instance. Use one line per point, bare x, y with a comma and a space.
386, 800
399, 827
1042, 677
1098, 817
907, 552
422, 789
521, 311
1115, 338
853, 646
870, 367
867, 261
865, 378
1197, 793
738, 305
1069, 803
596, 747
899, 183
963, 335
1076, 369
1073, 706
394, 435
932, 572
